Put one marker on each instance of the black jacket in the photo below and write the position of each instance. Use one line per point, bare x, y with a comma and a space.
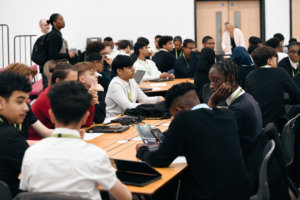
286, 64
164, 61
55, 42
185, 68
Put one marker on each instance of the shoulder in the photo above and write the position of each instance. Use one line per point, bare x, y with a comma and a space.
10, 134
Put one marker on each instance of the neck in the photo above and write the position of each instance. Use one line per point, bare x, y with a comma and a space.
124, 79
74, 126
57, 28
44, 32
142, 57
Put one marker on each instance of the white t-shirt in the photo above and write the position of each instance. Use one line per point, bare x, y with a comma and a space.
149, 67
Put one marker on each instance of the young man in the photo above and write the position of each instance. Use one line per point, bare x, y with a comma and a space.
208, 41
291, 63
124, 48
147, 65
186, 64
209, 140
14, 93
267, 84
134, 56
224, 78
253, 40
177, 50
281, 39
64, 163
123, 91
164, 59
156, 41
275, 44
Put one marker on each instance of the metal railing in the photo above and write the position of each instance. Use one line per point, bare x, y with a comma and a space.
4, 45
23, 48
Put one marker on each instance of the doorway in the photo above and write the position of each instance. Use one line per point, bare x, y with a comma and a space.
296, 19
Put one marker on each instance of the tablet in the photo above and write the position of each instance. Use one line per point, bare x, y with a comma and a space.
107, 129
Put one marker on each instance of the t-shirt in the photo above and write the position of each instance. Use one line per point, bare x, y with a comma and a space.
29, 119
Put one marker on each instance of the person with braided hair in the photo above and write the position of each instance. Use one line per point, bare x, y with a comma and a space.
224, 84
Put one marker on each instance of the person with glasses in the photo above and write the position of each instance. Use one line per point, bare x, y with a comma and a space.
291, 63
186, 64
208, 41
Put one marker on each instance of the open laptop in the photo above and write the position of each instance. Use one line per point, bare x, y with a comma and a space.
138, 77
135, 172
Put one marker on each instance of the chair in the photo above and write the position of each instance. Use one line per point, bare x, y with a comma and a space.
44, 196
263, 188
5, 191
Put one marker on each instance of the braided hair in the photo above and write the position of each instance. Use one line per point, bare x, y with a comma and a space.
229, 68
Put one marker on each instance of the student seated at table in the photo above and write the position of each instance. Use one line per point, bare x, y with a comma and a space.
63, 163
123, 91
267, 84
186, 64
14, 93
164, 59
208, 41
291, 63
177, 50
147, 65
208, 138
134, 56
30, 120
224, 84
124, 48
275, 44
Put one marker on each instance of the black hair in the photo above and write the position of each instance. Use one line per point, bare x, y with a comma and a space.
94, 47
279, 36
254, 40
94, 56
273, 42
108, 39
252, 47
164, 40
177, 91
187, 41
229, 69
292, 40
69, 101
178, 38
61, 71
138, 46
206, 38
157, 36
53, 18
261, 55
143, 40
293, 44
123, 44
10, 82
120, 62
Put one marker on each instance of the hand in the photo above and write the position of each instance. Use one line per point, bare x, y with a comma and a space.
160, 99
108, 61
222, 93
82, 132
164, 75
72, 54
138, 146
93, 91
171, 76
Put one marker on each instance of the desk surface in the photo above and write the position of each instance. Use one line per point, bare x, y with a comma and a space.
163, 86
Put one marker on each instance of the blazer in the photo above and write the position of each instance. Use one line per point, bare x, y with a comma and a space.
286, 64
238, 39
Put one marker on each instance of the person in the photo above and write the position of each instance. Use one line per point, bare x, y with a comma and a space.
267, 84
124, 48
164, 59
186, 64
208, 138
224, 84
232, 37
30, 121
205, 61
44, 26
134, 56
281, 39
57, 47
177, 50
291, 63
13, 109
123, 91
276, 44
147, 65
41, 106
244, 62
208, 41
156, 41
65, 164
253, 40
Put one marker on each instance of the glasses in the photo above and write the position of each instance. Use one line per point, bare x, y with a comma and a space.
293, 52
210, 43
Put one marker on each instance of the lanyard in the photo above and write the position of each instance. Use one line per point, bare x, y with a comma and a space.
146, 67
186, 61
293, 72
177, 53
59, 135
129, 93
236, 96
1, 120
18, 126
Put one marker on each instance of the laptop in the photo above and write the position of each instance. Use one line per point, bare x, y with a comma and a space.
107, 129
138, 77
161, 80
135, 172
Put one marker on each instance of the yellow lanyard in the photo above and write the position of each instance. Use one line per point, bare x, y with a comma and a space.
59, 135
148, 70
18, 126
236, 96
177, 53
129, 93
293, 73
186, 61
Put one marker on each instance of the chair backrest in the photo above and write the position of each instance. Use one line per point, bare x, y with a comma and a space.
44, 196
288, 140
4, 191
263, 188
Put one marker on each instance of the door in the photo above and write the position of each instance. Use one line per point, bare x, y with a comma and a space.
296, 19
211, 16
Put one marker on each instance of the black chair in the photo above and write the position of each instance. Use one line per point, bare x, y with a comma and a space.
4, 191
44, 196
263, 188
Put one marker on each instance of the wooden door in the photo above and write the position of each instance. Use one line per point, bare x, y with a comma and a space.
296, 19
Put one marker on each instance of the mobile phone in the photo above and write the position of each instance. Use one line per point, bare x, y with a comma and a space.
158, 135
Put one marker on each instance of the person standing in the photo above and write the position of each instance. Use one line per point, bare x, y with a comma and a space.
44, 26
232, 37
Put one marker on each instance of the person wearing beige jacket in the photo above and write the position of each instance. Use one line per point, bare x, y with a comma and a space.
232, 37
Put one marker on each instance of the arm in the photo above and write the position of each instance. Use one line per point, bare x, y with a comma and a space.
120, 192
100, 113
142, 97
41, 129
241, 38
290, 86
54, 46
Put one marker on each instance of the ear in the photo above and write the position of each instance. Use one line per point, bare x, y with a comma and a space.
269, 62
81, 79
2, 102
52, 117
57, 80
119, 71
85, 117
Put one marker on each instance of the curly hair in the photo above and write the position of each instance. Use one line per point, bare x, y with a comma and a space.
177, 91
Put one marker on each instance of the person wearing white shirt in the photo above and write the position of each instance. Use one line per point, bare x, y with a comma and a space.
63, 163
276, 44
124, 48
232, 37
123, 91
147, 65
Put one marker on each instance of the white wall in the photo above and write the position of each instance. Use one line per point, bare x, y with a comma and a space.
120, 19
277, 15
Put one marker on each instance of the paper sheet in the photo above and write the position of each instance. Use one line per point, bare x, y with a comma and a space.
90, 136
156, 88
122, 141
180, 159
157, 84
165, 124
138, 138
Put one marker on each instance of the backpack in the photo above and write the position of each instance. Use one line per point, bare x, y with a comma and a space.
40, 50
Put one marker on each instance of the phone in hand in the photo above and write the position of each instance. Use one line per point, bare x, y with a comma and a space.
158, 135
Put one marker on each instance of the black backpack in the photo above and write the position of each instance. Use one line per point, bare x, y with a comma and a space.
40, 50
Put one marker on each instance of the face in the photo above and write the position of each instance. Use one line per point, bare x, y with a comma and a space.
44, 26
126, 73
228, 28
108, 49
145, 51
59, 22
178, 45
216, 79
88, 78
293, 53
188, 49
168, 46
127, 50
210, 43
156, 43
99, 65
14, 108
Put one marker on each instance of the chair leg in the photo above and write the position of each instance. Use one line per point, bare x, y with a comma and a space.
178, 189
293, 188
